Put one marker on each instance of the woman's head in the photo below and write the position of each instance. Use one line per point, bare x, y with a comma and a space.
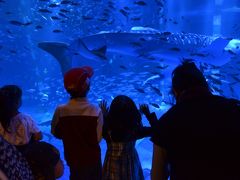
12, 95
10, 101
187, 76
123, 113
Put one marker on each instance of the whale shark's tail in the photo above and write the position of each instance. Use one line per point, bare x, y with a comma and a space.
64, 53
58, 50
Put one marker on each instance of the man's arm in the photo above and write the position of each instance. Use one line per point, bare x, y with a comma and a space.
54, 123
159, 164
99, 126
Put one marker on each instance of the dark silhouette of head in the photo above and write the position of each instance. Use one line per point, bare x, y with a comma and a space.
12, 95
123, 114
187, 76
10, 102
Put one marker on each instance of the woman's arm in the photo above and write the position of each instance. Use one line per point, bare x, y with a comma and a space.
2, 175
59, 169
159, 164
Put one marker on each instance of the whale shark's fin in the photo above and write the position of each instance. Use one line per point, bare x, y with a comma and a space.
101, 52
217, 46
58, 50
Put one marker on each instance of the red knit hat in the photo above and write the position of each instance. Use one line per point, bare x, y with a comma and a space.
75, 80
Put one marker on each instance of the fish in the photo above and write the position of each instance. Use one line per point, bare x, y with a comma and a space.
18, 23
63, 52
63, 15
140, 3
44, 11
9, 31
139, 89
55, 18
155, 89
8, 12
66, 2
151, 78
53, 5
126, 8
156, 44
175, 49
136, 18
57, 31
155, 105
175, 22
102, 19
85, 17
162, 67
13, 51
75, 3
121, 66
216, 89
124, 12
64, 11
38, 27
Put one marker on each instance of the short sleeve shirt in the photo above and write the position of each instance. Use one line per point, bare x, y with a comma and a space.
21, 128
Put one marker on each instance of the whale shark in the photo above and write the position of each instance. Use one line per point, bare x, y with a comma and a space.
142, 43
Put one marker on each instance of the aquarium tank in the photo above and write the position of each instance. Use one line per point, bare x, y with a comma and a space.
132, 45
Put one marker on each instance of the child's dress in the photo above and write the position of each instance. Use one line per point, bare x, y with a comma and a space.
122, 162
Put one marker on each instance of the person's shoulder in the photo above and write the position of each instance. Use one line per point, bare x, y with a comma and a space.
61, 106
227, 101
170, 112
94, 108
235, 101
22, 116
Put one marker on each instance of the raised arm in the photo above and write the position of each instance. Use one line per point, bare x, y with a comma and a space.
159, 164
151, 117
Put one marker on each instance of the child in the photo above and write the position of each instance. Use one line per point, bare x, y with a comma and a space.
44, 160
16, 127
122, 127
79, 124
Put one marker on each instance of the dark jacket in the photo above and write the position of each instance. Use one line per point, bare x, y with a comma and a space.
201, 135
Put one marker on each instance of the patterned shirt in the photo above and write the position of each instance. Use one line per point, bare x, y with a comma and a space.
12, 163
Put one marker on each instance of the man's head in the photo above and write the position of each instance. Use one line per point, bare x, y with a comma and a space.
77, 81
187, 76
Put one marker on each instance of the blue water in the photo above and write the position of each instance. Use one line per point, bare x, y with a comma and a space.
145, 77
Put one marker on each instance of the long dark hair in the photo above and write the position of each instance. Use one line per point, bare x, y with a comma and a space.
10, 101
123, 117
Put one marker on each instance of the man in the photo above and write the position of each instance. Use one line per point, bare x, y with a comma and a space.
198, 138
